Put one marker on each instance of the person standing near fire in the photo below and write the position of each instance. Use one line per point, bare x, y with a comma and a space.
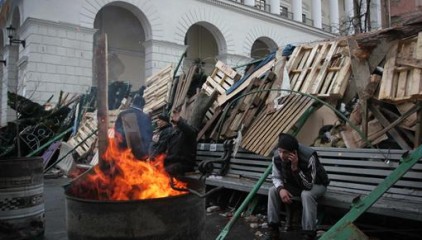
181, 146
160, 136
133, 129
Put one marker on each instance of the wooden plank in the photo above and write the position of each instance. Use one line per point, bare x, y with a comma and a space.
260, 127
338, 87
258, 73
231, 73
385, 123
315, 86
315, 68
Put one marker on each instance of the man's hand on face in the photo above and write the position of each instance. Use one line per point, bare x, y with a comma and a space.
285, 196
293, 158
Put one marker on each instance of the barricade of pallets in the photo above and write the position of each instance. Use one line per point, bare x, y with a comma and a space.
402, 76
261, 138
158, 88
321, 69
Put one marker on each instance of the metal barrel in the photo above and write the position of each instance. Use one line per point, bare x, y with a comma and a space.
180, 217
22, 214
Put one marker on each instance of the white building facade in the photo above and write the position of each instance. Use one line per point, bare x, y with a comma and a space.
145, 36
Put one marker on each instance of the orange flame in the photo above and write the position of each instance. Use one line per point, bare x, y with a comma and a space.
123, 177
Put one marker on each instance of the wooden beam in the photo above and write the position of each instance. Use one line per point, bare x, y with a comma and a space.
385, 123
378, 54
361, 76
399, 120
101, 74
409, 62
418, 132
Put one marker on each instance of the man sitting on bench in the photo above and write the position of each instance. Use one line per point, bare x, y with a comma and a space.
297, 172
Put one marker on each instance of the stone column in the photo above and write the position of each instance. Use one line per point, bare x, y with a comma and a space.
297, 10
275, 6
348, 4
376, 14
316, 13
250, 3
3, 88
349, 13
11, 77
334, 16
159, 54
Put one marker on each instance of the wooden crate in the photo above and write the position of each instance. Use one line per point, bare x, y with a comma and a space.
262, 136
221, 79
87, 126
402, 76
321, 69
157, 89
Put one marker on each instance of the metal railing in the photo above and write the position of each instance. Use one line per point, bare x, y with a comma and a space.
260, 5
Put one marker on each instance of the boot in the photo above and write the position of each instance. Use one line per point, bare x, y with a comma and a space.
273, 232
309, 235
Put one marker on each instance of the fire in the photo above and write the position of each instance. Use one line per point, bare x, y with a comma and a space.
123, 177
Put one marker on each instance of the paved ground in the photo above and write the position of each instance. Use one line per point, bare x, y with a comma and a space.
56, 222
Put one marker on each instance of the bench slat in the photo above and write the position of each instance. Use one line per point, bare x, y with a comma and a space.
352, 172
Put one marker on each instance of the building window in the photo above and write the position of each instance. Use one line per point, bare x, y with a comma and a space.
261, 4
284, 11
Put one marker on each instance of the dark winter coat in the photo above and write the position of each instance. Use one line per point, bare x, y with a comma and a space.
308, 173
181, 149
140, 150
159, 145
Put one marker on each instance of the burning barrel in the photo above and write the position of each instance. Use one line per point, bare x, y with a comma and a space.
21, 198
177, 217
125, 198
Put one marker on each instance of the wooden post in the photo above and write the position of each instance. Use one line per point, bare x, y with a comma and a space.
101, 78
361, 76
418, 132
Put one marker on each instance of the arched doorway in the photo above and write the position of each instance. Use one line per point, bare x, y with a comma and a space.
202, 47
262, 47
126, 36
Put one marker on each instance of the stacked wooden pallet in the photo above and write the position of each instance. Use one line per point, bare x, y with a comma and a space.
221, 79
157, 89
84, 136
402, 77
247, 108
321, 69
261, 138
182, 88
86, 128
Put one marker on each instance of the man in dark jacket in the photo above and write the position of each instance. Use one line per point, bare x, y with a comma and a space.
297, 172
134, 130
181, 148
161, 135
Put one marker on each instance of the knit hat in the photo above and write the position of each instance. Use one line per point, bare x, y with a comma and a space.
164, 117
287, 142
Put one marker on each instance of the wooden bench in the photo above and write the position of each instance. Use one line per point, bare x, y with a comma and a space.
353, 172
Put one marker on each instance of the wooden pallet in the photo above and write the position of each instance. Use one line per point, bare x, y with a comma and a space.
245, 110
87, 126
321, 69
402, 77
262, 136
157, 89
221, 79
182, 88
